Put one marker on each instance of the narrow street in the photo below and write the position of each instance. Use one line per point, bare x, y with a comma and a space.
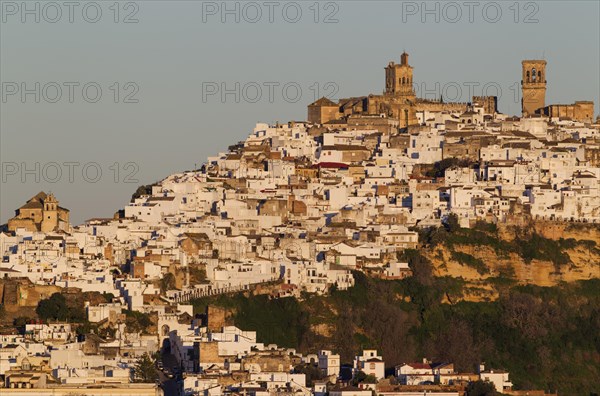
169, 385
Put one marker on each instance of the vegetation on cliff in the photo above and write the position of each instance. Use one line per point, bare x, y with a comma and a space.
527, 243
547, 337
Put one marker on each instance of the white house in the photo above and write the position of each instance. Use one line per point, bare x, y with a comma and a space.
370, 363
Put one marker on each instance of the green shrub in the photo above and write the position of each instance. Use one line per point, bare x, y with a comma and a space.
470, 261
56, 308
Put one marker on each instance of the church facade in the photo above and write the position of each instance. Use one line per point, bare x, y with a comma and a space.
40, 213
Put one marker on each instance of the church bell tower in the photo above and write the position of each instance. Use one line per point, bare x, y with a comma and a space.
533, 85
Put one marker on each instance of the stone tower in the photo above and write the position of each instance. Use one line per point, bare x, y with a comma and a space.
50, 220
399, 79
533, 85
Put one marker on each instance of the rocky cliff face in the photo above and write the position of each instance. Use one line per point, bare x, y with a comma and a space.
579, 231
579, 244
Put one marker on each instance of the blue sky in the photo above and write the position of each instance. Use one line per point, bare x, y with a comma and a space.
162, 75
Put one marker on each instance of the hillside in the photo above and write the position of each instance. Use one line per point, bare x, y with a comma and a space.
483, 305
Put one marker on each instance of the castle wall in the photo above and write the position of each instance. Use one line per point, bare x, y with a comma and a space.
579, 111
584, 111
440, 106
400, 102
489, 103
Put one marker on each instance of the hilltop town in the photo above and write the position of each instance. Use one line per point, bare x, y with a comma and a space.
298, 210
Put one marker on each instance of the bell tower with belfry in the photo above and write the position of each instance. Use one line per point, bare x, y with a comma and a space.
399, 78
50, 214
533, 85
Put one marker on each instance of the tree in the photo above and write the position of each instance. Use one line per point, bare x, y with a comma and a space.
145, 369
197, 274
136, 321
481, 388
54, 308
451, 223
362, 377
311, 371
370, 379
108, 297
421, 267
20, 322
440, 167
167, 282
455, 342
359, 377
526, 314
333, 288
142, 190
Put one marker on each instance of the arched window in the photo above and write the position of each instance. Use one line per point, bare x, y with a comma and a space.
25, 365
527, 76
540, 76
165, 330
533, 75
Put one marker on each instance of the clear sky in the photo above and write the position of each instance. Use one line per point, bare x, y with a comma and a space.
162, 75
